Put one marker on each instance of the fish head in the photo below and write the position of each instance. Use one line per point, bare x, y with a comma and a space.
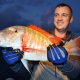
11, 36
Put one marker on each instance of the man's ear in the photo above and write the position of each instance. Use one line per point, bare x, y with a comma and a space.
71, 19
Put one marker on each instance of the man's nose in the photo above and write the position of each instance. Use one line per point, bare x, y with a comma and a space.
59, 18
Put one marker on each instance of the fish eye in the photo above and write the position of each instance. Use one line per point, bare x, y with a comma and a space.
16, 31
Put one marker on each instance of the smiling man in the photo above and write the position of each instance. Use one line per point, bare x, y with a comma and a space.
62, 18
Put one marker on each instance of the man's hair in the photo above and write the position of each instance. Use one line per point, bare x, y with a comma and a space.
63, 5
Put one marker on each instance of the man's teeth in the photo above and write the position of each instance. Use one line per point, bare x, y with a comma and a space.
59, 23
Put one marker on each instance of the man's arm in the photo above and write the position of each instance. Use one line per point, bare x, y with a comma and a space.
12, 57
71, 69
58, 56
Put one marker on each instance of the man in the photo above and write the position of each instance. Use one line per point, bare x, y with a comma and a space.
56, 53
62, 18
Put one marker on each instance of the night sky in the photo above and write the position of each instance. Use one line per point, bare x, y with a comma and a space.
38, 12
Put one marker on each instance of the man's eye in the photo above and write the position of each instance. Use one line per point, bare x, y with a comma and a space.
55, 15
65, 15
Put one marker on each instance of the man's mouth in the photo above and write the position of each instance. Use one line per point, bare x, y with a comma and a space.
59, 23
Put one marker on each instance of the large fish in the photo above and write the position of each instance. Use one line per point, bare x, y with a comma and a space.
34, 41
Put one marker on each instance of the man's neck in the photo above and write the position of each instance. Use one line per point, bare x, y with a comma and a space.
59, 34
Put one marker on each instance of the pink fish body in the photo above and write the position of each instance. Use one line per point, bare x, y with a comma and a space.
33, 41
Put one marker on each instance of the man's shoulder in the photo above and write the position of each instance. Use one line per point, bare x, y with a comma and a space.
76, 35
73, 34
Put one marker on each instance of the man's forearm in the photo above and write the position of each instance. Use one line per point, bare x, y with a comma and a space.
71, 69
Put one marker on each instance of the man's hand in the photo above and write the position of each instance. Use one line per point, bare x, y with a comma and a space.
10, 56
57, 54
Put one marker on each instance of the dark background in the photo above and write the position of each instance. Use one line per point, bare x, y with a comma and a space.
38, 12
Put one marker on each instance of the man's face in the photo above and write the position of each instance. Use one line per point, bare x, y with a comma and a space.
62, 18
